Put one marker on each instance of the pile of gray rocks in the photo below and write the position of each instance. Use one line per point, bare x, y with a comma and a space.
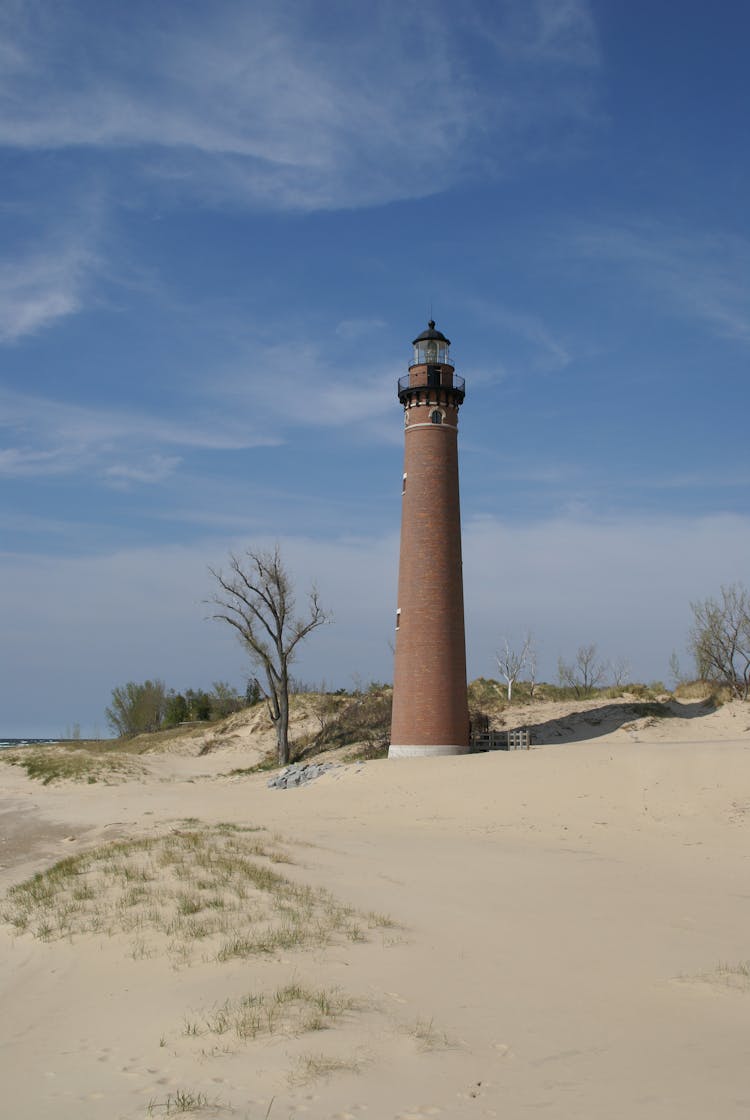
299, 774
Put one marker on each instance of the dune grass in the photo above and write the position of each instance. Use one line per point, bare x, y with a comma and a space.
428, 1036
61, 762
735, 976
311, 1067
95, 760
209, 892
179, 1103
291, 1010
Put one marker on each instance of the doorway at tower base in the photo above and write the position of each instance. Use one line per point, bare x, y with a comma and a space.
395, 751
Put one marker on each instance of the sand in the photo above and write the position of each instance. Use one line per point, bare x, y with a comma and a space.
568, 928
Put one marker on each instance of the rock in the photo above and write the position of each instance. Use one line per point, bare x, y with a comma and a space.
299, 774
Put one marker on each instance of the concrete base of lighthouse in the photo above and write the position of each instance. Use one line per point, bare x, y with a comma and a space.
395, 751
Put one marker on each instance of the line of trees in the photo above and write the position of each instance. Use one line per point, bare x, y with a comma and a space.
139, 707
256, 598
719, 641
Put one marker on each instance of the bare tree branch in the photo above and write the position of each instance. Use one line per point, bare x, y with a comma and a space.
720, 639
257, 601
511, 662
585, 673
620, 671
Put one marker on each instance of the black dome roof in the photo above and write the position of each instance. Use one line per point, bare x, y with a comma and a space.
431, 333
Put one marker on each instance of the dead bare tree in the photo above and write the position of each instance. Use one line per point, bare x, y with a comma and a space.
531, 668
257, 600
512, 662
720, 639
620, 671
584, 674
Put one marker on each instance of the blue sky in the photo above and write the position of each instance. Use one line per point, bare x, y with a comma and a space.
223, 224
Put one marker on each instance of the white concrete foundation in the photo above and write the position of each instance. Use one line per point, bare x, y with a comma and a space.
395, 751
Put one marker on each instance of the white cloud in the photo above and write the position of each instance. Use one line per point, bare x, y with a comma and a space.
566, 32
303, 387
41, 286
154, 468
562, 31
119, 445
17, 462
285, 106
625, 584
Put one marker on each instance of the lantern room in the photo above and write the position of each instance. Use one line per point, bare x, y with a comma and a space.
431, 348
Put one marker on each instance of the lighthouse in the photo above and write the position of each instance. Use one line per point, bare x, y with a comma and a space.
430, 707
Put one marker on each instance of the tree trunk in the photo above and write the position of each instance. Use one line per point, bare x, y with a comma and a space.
282, 728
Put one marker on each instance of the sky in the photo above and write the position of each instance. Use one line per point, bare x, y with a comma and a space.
222, 226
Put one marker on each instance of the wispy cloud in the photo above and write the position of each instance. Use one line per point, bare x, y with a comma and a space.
41, 286
118, 446
701, 275
566, 32
284, 105
154, 468
544, 352
562, 31
308, 385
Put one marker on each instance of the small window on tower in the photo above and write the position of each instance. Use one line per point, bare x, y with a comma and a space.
437, 417
403, 485
398, 618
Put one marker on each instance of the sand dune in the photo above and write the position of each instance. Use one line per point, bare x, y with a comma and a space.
562, 931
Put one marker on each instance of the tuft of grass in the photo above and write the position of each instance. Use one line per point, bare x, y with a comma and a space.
367, 752
709, 693
60, 763
217, 888
378, 920
311, 1067
735, 975
428, 1036
290, 1010
179, 1102
269, 762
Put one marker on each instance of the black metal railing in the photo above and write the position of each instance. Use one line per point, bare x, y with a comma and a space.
432, 381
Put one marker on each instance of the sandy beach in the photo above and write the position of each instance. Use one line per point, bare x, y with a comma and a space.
559, 932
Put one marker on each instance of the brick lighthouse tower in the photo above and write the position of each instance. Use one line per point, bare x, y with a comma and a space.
430, 709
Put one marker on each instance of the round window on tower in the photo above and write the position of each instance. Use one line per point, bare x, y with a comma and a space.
436, 416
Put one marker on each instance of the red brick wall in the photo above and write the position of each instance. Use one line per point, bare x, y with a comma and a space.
429, 687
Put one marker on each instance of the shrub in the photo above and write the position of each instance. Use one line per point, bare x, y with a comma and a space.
362, 718
137, 707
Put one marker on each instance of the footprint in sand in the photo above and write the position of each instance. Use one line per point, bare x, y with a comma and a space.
503, 1049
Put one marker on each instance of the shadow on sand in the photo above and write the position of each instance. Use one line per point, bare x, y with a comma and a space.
590, 723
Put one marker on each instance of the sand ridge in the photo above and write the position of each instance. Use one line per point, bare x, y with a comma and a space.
562, 930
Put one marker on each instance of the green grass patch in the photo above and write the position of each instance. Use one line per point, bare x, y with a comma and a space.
180, 1103
291, 1010
213, 892
61, 762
